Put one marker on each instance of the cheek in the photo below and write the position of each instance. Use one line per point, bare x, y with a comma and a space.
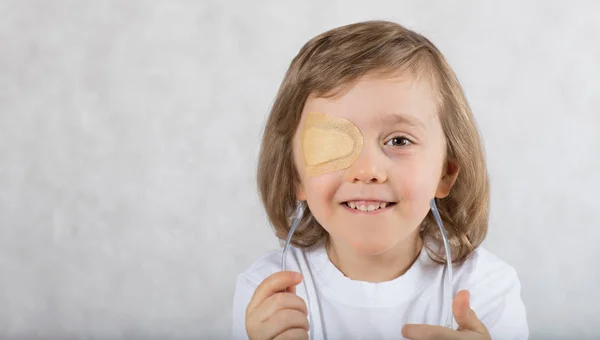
321, 188
414, 183
320, 193
414, 194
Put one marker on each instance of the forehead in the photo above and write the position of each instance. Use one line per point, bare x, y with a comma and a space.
377, 100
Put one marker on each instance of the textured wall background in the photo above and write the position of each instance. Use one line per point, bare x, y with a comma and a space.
129, 132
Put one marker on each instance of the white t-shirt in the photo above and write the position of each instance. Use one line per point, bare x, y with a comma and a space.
341, 308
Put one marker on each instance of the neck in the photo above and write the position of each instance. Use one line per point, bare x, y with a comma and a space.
382, 267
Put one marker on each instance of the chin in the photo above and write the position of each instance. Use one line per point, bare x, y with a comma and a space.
375, 243
372, 245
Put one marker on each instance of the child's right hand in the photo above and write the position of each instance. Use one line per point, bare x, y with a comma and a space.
275, 311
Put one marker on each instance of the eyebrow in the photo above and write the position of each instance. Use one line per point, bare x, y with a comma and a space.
395, 118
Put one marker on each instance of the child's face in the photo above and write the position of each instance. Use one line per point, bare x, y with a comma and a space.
402, 162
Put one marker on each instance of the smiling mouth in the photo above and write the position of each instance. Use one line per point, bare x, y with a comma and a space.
368, 206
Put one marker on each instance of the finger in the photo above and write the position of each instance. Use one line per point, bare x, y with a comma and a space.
278, 302
465, 316
429, 332
284, 320
291, 289
293, 334
271, 285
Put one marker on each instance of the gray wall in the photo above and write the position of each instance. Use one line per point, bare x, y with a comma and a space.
129, 132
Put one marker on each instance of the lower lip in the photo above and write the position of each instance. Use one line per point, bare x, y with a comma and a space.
374, 212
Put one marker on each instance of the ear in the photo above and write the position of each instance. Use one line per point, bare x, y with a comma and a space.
448, 179
300, 193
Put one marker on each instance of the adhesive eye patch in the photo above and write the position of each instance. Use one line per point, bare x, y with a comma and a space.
328, 143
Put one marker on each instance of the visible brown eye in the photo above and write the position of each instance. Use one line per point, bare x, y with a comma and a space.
399, 141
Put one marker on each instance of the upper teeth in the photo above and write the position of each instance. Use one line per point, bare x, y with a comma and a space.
371, 206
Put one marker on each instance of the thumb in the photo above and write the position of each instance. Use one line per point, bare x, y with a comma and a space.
272, 285
464, 315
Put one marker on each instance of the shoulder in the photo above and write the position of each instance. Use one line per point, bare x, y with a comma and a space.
482, 266
297, 259
263, 267
495, 294
247, 281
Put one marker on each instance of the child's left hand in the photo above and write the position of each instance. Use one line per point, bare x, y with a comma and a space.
469, 326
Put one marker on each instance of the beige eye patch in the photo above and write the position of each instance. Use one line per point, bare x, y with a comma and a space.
328, 143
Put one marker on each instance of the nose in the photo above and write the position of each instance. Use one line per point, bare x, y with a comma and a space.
368, 168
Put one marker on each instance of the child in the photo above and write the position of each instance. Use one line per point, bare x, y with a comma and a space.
370, 124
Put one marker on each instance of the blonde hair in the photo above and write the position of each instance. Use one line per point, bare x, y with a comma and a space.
334, 60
